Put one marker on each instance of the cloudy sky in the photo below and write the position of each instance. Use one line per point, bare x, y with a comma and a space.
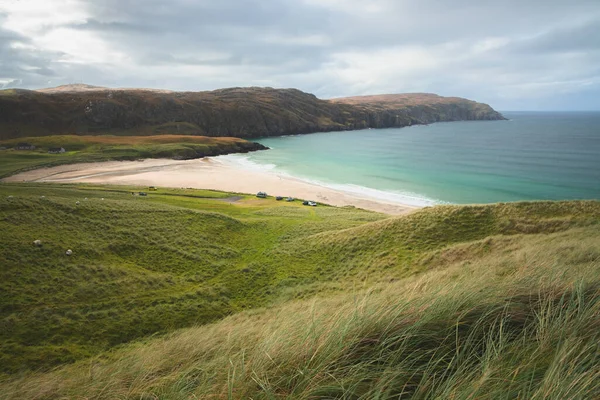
512, 54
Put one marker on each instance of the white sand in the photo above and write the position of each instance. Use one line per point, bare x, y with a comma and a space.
204, 173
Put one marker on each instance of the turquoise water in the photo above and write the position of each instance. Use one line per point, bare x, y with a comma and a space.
531, 156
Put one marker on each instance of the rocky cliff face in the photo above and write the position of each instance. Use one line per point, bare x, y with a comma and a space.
237, 112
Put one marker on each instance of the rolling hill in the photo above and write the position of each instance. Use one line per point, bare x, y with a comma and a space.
487, 301
143, 265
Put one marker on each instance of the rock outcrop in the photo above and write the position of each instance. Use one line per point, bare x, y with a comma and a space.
237, 112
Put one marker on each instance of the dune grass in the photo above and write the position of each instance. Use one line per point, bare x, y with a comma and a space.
509, 316
177, 258
140, 265
105, 148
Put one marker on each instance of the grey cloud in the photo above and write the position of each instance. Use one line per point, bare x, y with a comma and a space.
22, 65
241, 28
303, 43
173, 15
582, 37
92, 24
161, 58
26, 66
240, 33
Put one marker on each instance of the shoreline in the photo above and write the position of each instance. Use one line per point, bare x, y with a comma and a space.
205, 173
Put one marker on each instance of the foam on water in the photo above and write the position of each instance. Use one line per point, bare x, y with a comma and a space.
244, 162
404, 198
412, 199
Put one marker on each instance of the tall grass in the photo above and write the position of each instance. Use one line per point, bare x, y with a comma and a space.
149, 265
518, 321
141, 265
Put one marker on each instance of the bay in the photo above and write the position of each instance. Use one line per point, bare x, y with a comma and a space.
531, 156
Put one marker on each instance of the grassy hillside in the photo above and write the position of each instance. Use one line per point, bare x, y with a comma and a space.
140, 265
511, 311
104, 148
145, 265
237, 112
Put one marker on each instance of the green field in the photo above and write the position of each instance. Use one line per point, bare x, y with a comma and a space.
140, 265
393, 294
106, 148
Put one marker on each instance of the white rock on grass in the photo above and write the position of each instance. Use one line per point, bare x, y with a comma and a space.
77, 203
37, 242
69, 252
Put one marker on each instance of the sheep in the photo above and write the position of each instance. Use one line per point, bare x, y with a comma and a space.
37, 243
69, 252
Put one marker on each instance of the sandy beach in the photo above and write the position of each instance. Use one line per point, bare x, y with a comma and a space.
206, 173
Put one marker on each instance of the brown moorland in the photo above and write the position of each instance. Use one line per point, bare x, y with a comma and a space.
236, 112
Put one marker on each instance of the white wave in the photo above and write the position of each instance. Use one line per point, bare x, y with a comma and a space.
243, 161
396, 197
409, 198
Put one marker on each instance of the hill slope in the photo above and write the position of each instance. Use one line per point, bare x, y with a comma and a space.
237, 112
507, 305
145, 265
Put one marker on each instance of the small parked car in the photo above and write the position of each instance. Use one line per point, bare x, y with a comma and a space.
289, 199
278, 198
312, 203
261, 195
142, 194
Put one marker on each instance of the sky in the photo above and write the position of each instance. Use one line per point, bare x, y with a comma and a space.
511, 54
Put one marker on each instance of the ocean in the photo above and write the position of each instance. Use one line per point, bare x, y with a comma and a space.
532, 156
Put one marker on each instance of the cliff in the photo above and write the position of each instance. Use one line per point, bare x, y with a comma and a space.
236, 112
389, 110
